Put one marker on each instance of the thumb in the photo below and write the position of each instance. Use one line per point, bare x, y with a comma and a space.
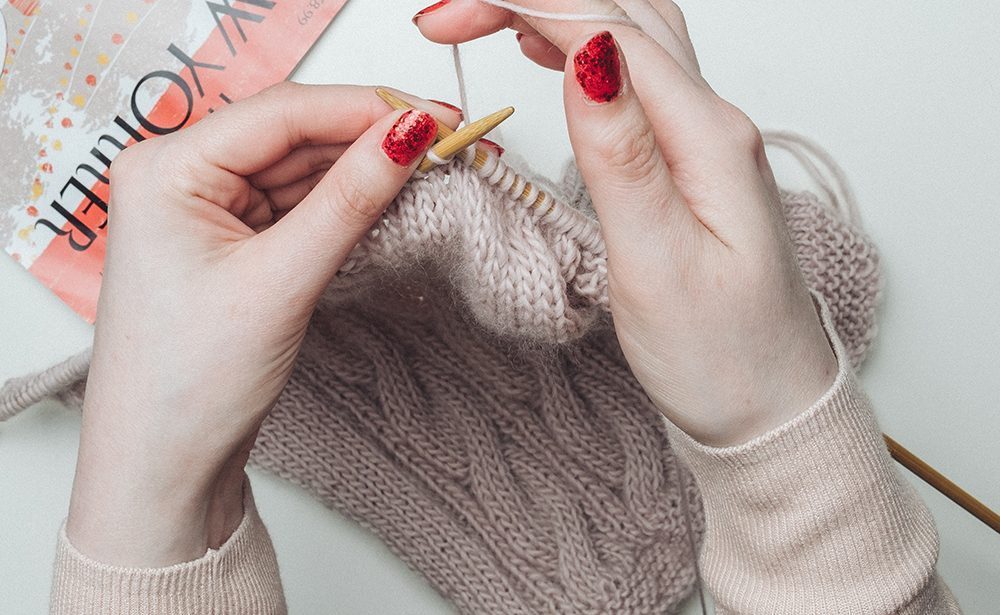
312, 241
619, 156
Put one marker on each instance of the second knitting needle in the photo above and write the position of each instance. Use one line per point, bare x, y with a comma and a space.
444, 130
462, 138
450, 142
481, 155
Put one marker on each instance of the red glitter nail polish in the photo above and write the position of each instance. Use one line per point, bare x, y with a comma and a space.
409, 137
496, 147
598, 68
448, 106
430, 9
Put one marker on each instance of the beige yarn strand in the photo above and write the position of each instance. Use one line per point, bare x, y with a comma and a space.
20, 393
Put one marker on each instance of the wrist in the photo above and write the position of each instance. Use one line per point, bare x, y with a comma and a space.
150, 511
766, 393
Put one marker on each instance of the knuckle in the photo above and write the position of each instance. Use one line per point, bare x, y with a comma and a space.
672, 14
126, 163
632, 151
741, 131
185, 171
131, 170
350, 202
280, 89
602, 7
134, 173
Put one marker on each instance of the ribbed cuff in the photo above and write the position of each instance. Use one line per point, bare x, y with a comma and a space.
812, 517
241, 576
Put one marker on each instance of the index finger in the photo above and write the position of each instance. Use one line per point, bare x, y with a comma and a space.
451, 22
251, 135
459, 21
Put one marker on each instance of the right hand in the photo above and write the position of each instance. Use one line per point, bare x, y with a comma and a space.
709, 305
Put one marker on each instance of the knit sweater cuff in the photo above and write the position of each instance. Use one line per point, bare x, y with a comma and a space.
241, 576
812, 517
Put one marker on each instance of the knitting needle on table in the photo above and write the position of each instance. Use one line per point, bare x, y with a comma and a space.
445, 131
937, 480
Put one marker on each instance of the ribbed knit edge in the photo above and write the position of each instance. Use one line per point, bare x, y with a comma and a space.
835, 405
812, 517
241, 576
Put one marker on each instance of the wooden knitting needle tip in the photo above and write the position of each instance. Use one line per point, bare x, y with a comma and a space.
398, 103
463, 138
392, 100
444, 130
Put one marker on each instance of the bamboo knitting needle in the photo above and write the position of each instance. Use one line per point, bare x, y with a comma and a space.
398, 103
935, 479
444, 131
911, 462
462, 138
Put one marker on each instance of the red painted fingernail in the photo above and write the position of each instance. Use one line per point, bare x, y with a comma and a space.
497, 149
430, 9
448, 106
599, 69
409, 137
519, 36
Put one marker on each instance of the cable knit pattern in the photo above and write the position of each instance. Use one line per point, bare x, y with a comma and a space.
517, 482
461, 393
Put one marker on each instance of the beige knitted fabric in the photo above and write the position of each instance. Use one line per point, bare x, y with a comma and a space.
461, 393
811, 517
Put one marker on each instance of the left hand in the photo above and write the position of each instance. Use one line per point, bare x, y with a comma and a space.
221, 239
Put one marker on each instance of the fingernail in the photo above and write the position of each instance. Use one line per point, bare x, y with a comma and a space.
497, 149
448, 106
409, 137
429, 9
598, 68
519, 36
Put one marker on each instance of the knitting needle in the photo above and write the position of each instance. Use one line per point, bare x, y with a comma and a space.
444, 130
448, 143
462, 138
398, 103
935, 479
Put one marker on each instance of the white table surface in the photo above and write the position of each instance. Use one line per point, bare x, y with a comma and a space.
906, 95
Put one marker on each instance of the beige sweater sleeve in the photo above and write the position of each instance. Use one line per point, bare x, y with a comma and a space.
813, 517
241, 576
810, 518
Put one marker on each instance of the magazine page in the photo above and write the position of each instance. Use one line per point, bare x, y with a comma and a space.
82, 79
